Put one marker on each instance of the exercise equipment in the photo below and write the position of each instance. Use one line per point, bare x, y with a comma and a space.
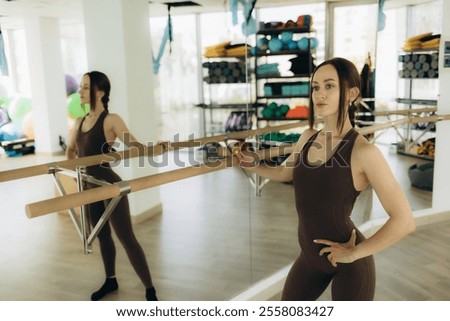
286, 36
303, 43
28, 126
71, 84
275, 44
18, 108
306, 43
421, 176
74, 107
421, 65
262, 44
298, 112
305, 20
422, 41
18, 147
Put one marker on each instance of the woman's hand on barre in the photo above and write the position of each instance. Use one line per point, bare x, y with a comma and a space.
164, 145
248, 158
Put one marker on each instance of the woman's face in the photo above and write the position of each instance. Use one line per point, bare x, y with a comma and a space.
325, 91
85, 90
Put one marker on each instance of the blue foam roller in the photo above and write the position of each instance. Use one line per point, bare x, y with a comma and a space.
262, 44
292, 45
314, 42
286, 36
275, 45
303, 43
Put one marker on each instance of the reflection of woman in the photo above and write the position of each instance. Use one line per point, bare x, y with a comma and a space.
90, 137
329, 168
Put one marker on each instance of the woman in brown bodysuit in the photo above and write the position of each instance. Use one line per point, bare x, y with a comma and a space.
329, 168
93, 135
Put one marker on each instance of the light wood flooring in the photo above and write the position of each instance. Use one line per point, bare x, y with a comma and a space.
214, 239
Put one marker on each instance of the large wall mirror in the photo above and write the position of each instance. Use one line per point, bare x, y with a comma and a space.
221, 233
372, 35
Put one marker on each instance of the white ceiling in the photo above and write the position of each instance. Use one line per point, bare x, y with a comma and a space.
72, 9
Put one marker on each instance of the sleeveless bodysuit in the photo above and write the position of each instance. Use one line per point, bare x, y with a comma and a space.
324, 197
93, 142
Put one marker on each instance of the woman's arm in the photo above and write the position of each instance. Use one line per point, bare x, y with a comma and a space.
281, 173
116, 128
400, 222
71, 150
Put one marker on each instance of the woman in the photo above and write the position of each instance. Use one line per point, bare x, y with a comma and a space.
93, 135
329, 168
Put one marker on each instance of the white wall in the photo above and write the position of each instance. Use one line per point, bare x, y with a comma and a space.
47, 83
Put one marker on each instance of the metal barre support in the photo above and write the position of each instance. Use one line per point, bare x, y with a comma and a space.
124, 187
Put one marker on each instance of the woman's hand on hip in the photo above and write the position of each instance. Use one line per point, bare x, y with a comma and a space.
339, 252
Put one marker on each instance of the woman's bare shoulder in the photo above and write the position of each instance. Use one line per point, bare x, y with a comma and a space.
113, 118
365, 151
304, 137
308, 133
77, 122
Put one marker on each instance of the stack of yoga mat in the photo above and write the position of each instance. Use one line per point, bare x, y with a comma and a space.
423, 41
226, 49
286, 89
267, 70
220, 72
419, 65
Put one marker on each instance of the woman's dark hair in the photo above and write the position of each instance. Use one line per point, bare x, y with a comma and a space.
348, 78
99, 81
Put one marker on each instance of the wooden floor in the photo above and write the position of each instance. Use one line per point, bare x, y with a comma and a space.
214, 239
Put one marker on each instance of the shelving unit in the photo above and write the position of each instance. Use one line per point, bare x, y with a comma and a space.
213, 126
225, 75
284, 62
286, 85
282, 71
419, 69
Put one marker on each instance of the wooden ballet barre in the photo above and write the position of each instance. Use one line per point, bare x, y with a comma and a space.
134, 152
107, 192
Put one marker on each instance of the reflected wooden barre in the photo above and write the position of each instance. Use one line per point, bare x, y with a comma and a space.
405, 112
36, 170
429, 119
238, 135
106, 192
373, 128
411, 120
135, 152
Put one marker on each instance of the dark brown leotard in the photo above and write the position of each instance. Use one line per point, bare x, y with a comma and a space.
324, 197
93, 142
